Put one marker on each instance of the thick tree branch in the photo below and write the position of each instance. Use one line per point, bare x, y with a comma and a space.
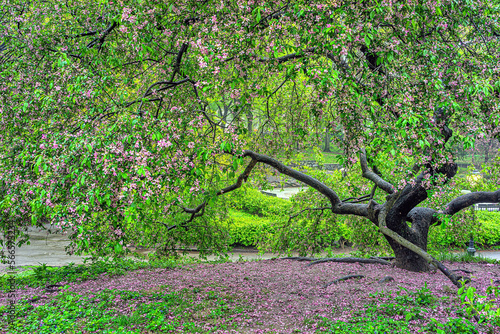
178, 60
360, 210
310, 181
370, 175
467, 200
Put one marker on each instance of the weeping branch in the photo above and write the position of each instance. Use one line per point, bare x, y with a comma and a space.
200, 209
100, 40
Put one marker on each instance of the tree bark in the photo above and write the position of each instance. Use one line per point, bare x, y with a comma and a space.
327, 141
408, 260
250, 122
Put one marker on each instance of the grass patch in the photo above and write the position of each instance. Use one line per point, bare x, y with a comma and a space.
115, 311
41, 276
401, 312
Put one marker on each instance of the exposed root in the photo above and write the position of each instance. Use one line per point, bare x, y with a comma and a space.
463, 270
350, 260
387, 258
345, 278
299, 258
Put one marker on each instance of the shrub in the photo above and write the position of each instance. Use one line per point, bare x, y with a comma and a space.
247, 230
489, 230
486, 234
252, 201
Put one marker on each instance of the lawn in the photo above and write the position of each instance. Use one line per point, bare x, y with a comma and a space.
268, 296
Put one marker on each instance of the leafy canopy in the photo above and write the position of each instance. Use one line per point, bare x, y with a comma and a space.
108, 121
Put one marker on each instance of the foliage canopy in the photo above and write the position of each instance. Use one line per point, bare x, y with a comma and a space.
110, 124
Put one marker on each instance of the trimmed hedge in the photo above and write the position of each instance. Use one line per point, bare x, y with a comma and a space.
489, 233
246, 229
254, 202
252, 214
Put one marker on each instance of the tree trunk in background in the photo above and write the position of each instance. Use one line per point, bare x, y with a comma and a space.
250, 122
327, 141
487, 153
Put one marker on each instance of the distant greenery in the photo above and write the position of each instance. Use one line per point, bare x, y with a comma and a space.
252, 201
487, 235
327, 157
254, 217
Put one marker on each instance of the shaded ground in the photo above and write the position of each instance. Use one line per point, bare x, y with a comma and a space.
270, 296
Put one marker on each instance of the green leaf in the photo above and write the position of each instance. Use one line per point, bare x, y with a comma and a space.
118, 248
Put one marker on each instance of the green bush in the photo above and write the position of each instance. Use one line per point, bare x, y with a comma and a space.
489, 230
262, 212
453, 234
247, 230
252, 201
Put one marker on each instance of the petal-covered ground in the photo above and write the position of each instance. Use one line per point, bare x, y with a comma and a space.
273, 296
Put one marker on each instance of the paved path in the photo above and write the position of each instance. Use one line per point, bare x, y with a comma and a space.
490, 254
50, 249
285, 192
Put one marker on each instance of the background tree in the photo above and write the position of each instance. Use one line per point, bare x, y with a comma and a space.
106, 128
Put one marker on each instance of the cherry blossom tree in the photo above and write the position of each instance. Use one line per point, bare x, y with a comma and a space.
107, 130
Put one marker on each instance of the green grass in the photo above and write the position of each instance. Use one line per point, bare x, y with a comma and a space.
156, 311
43, 275
376, 316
